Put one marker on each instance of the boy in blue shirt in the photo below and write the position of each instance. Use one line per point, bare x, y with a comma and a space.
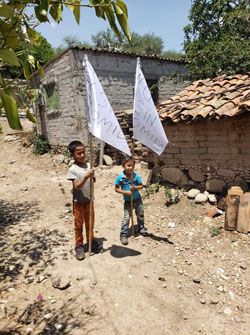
123, 186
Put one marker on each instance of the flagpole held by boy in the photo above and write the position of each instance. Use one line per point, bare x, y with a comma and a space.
102, 122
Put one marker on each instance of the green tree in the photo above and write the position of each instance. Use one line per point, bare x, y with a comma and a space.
18, 20
172, 54
71, 41
217, 40
43, 52
147, 44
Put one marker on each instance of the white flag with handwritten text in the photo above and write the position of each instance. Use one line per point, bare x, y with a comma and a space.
147, 126
102, 121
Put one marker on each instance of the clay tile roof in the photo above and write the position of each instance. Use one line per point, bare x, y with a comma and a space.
214, 98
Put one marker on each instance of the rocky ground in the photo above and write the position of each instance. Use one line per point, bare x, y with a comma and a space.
190, 276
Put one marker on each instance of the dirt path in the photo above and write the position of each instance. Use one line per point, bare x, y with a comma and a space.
179, 281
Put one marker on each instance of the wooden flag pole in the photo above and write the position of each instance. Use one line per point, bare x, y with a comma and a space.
91, 214
131, 181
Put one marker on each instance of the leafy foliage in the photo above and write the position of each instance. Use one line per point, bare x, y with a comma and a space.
18, 20
43, 52
218, 38
71, 41
152, 189
172, 195
141, 44
40, 145
214, 231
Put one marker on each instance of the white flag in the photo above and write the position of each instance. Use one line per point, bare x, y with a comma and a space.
102, 121
147, 126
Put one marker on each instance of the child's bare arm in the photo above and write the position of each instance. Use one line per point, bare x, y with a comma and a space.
119, 190
78, 183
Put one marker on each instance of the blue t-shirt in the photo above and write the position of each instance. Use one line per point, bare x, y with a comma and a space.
124, 183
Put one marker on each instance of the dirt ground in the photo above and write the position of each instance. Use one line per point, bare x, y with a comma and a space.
179, 280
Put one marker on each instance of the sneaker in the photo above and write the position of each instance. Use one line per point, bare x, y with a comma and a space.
96, 247
80, 255
124, 239
143, 231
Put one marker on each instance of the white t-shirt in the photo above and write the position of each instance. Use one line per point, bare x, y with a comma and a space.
78, 172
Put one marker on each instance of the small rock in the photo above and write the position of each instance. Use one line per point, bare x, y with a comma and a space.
223, 277
108, 160
193, 193
200, 198
28, 280
161, 278
214, 301
196, 280
29, 330
231, 295
202, 301
12, 161
227, 311
60, 282
222, 203
48, 316
171, 225
59, 159
39, 279
211, 212
212, 198
164, 285
58, 326
243, 266
237, 319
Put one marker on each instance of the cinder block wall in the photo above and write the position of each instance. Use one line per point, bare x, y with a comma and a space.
67, 123
217, 148
116, 73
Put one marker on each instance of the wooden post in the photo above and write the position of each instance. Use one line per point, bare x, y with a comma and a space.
243, 222
232, 205
91, 194
101, 153
131, 181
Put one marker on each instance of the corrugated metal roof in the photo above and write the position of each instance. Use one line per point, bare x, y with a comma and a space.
214, 98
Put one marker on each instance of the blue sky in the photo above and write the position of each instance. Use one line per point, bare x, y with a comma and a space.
164, 18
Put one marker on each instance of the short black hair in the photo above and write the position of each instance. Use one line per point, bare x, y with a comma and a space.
128, 158
73, 145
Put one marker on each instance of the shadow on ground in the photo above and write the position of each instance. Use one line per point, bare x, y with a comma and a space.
42, 318
26, 244
120, 252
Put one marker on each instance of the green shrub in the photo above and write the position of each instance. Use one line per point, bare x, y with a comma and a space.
214, 231
40, 145
172, 195
151, 189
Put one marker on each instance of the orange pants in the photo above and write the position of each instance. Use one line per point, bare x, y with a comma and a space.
81, 212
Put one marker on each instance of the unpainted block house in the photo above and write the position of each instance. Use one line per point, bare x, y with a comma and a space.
61, 112
207, 123
208, 126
